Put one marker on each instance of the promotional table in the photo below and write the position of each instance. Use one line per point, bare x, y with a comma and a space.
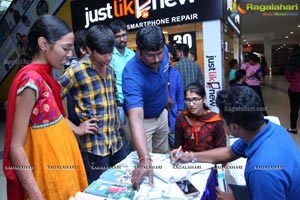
201, 175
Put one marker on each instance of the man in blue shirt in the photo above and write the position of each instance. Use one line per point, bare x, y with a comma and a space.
145, 92
273, 160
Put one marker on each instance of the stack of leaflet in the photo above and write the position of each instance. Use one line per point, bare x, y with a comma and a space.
114, 184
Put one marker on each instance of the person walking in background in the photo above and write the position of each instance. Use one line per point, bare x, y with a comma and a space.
175, 93
234, 65
272, 155
121, 55
92, 84
198, 128
189, 70
144, 84
41, 157
292, 74
254, 74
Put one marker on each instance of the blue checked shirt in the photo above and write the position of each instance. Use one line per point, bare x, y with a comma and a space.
190, 72
94, 97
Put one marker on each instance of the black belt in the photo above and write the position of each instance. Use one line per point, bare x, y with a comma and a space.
157, 116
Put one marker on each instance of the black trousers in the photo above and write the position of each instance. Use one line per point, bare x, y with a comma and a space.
294, 107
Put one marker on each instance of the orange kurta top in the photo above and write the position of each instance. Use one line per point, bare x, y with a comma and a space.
51, 147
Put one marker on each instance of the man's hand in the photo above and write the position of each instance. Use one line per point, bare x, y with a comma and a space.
224, 196
144, 169
170, 103
89, 126
181, 157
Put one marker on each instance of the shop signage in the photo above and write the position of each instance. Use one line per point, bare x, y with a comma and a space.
213, 70
188, 38
232, 15
139, 13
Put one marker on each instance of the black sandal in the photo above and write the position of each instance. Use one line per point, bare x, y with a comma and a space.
294, 131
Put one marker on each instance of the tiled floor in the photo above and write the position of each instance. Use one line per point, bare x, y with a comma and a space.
276, 100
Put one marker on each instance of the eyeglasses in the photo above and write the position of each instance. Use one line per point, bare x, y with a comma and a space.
193, 100
66, 49
124, 35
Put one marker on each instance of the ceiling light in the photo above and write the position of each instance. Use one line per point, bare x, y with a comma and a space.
298, 26
286, 37
291, 32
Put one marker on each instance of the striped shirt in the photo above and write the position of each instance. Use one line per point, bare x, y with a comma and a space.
94, 97
190, 71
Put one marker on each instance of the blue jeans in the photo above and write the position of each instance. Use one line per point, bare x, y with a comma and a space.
121, 115
95, 165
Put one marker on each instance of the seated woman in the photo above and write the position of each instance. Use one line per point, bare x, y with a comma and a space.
198, 128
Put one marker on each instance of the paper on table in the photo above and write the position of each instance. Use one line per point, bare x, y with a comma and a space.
170, 174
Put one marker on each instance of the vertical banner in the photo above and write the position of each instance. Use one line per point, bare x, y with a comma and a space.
188, 38
213, 61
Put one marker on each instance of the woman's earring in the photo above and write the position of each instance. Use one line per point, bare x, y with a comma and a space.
43, 50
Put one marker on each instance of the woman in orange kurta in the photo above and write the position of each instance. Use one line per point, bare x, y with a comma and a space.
198, 128
41, 155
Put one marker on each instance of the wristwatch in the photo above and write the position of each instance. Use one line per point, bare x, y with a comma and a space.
193, 158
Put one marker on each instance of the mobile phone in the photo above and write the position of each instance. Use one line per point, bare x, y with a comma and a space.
187, 188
